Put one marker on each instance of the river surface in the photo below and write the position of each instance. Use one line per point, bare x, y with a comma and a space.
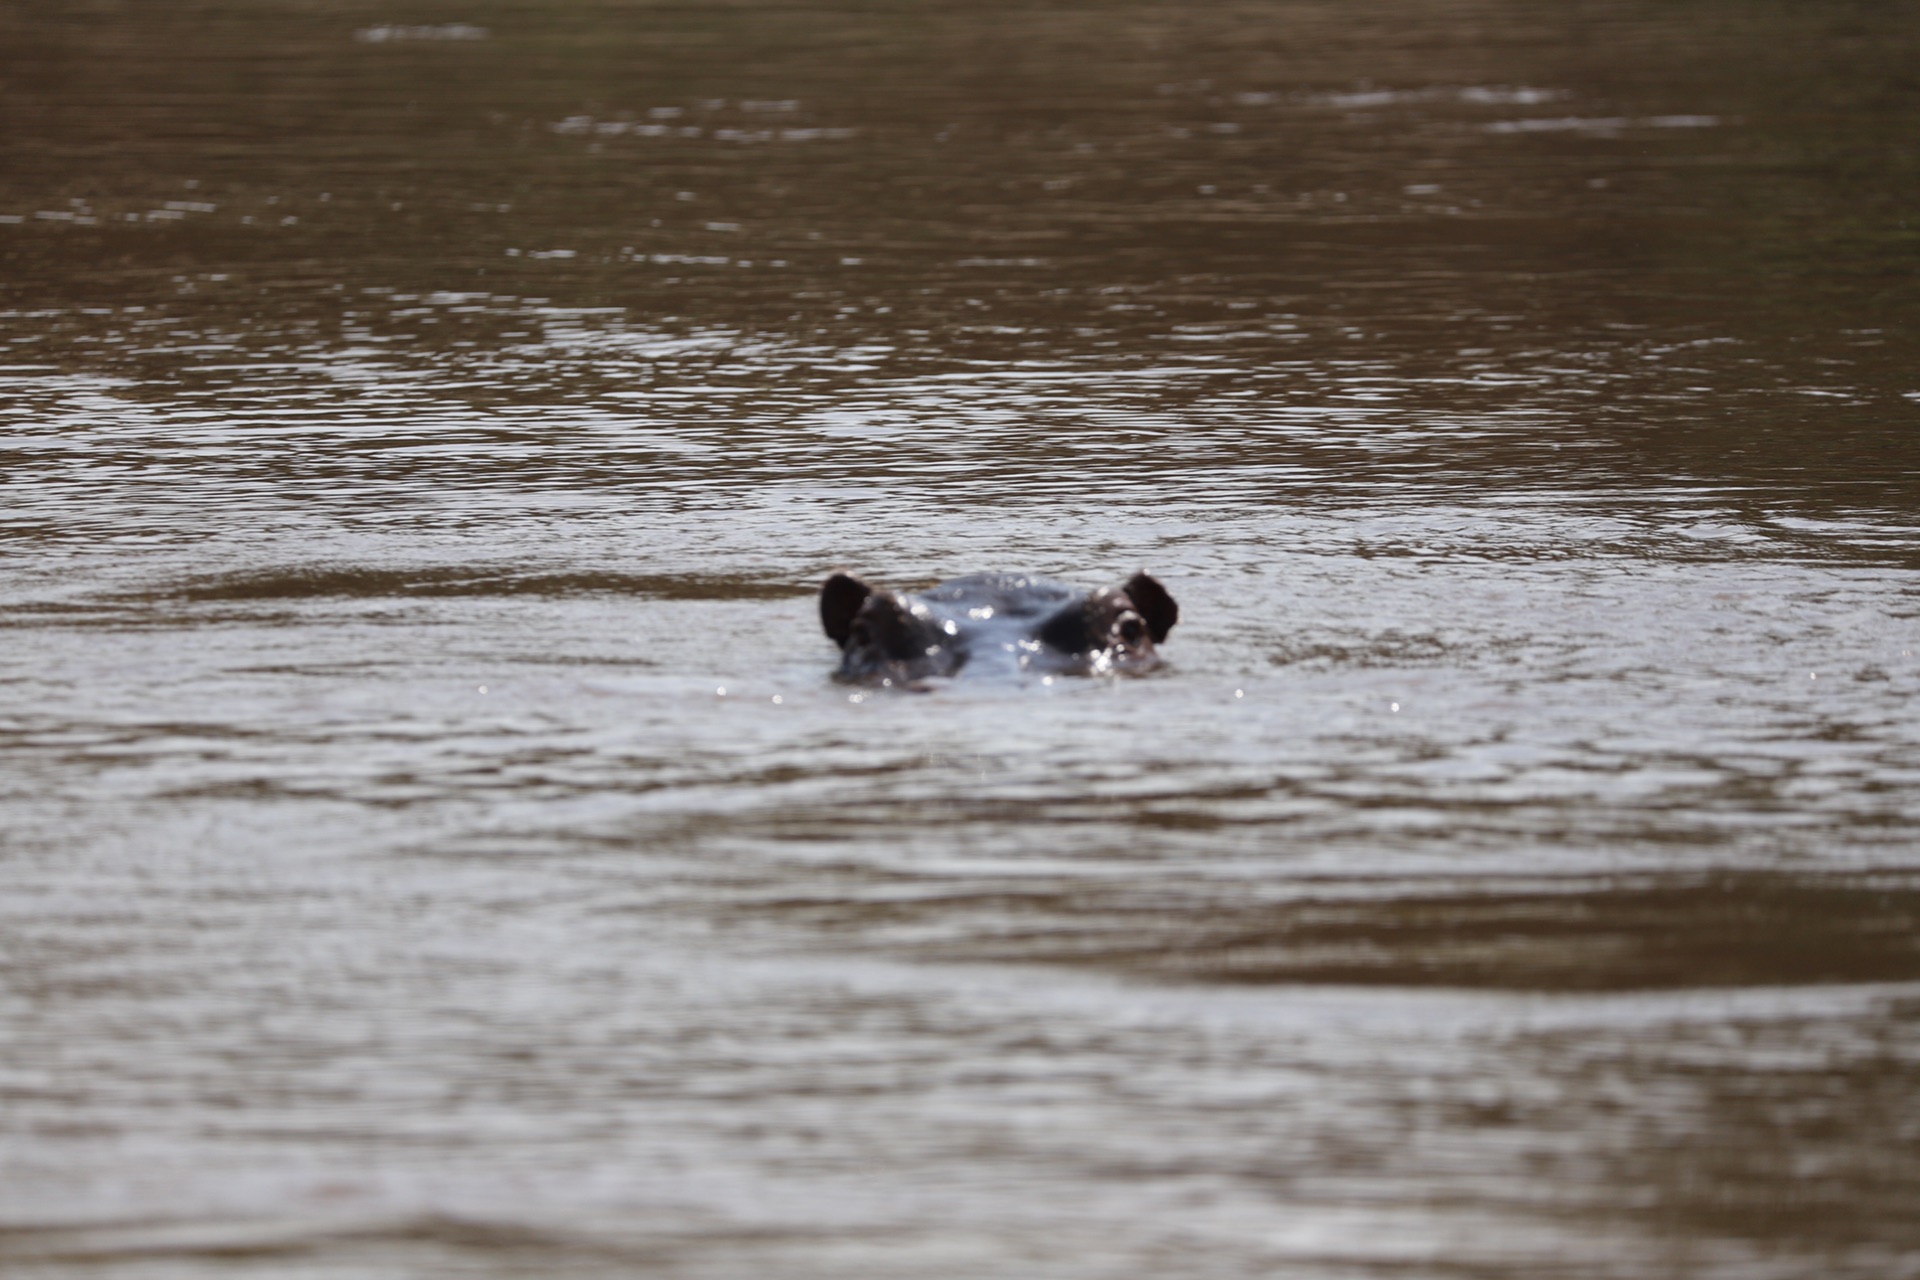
433, 844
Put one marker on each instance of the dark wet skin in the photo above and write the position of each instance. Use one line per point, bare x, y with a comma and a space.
1004, 622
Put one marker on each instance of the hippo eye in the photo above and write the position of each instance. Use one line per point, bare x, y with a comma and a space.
1132, 630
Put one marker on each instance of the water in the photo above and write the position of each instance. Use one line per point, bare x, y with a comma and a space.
433, 844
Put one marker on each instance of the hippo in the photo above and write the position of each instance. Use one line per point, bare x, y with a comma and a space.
1004, 621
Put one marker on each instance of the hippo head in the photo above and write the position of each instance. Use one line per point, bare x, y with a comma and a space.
1027, 624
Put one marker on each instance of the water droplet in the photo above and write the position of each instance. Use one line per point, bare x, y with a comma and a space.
483, 688
776, 699
720, 692
1393, 706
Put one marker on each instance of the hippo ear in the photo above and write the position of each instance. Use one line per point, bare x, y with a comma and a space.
841, 598
1155, 606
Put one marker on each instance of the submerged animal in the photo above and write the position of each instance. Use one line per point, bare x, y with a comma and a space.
1007, 621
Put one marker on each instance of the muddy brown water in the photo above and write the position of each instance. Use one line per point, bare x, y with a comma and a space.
432, 843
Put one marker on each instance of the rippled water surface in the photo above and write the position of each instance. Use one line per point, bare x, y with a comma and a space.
433, 843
